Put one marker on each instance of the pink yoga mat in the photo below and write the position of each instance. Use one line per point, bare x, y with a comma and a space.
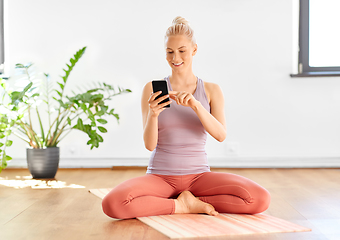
201, 225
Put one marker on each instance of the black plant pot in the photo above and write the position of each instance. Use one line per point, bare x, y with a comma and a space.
43, 163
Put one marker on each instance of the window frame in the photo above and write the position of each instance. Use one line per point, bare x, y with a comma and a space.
304, 70
2, 38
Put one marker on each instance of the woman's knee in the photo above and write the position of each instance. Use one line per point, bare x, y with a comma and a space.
261, 202
108, 207
113, 206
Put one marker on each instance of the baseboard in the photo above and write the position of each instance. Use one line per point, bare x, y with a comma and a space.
277, 162
225, 162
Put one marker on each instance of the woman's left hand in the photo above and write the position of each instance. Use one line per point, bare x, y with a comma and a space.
183, 98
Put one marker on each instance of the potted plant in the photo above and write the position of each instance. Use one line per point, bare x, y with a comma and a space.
85, 111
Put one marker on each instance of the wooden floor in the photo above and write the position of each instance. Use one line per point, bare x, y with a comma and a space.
309, 197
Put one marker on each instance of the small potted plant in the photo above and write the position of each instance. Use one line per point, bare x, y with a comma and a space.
85, 111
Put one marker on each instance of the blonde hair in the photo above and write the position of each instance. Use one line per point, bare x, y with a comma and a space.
180, 26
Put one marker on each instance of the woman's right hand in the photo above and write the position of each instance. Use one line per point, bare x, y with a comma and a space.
154, 107
150, 113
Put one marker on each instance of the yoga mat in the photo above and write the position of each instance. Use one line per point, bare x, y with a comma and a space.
201, 225
100, 192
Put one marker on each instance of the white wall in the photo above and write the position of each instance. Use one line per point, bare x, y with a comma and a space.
245, 46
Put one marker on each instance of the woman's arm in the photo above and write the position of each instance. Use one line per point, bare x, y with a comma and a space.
150, 113
213, 122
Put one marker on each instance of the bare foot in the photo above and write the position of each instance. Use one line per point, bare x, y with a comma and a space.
188, 203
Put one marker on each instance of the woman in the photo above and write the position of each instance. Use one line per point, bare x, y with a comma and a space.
178, 178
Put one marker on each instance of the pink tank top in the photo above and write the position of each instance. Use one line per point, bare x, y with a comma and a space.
181, 142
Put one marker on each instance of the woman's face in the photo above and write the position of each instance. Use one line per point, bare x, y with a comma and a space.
179, 52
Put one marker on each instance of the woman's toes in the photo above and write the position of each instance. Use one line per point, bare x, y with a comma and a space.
191, 204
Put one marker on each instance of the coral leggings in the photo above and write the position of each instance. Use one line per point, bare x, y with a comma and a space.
154, 194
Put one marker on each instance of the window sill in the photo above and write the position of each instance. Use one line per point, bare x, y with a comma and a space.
316, 74
4, 77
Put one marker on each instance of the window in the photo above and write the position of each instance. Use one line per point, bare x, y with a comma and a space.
2, 49
319, 38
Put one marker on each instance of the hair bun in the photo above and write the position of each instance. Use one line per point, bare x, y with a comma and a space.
180, 26
179, 20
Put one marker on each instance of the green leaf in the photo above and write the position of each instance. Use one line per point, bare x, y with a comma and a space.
102, 121
31, 89
1, 144
97, 97
87, 128
4, 160
62, 104
69, 120
59, 93
41, 125
90, 113
100, 113
73, 62
94, 90
61, 85
4, 163
91, 117
9, 143
100, 138
116, 116
102, 129
19, 65
83, 106
15, 96
80, 124
27, 87
15, 108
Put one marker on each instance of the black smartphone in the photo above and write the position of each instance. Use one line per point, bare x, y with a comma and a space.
161, 85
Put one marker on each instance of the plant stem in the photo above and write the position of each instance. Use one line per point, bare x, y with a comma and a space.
29, 115
48, 103
21, 137
49, 131
77, 116
69, 130
31, 134
20, 130
41, 126
57, 136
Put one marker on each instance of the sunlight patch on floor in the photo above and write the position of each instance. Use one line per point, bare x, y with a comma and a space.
28, 181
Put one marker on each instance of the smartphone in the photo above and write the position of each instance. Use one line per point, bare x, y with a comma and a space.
161, 85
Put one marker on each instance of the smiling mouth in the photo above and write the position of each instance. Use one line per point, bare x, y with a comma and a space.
177, 64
